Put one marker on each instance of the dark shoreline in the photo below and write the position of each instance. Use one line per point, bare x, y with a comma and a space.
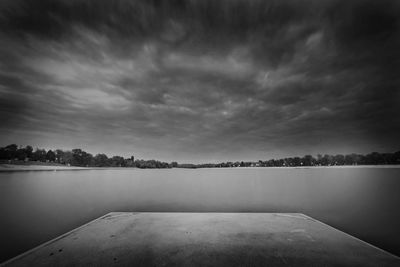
26, 168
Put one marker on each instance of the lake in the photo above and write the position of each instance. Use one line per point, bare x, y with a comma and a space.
36, 206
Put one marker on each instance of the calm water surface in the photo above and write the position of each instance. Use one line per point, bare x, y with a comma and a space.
39, 205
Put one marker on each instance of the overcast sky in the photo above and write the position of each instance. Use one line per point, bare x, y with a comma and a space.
201, 81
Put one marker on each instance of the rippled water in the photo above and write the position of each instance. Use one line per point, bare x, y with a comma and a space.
39, 205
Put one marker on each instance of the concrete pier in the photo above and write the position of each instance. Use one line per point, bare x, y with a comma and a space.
205, 239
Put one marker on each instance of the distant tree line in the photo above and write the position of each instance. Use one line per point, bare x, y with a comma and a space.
373, 158
76, 157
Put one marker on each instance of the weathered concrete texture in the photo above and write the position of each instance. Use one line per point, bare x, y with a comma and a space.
205, 239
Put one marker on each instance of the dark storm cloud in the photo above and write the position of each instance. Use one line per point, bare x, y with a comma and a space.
198, 80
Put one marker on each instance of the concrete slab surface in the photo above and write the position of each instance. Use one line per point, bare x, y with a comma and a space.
205, 239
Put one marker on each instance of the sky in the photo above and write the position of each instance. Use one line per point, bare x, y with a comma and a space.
201, 81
